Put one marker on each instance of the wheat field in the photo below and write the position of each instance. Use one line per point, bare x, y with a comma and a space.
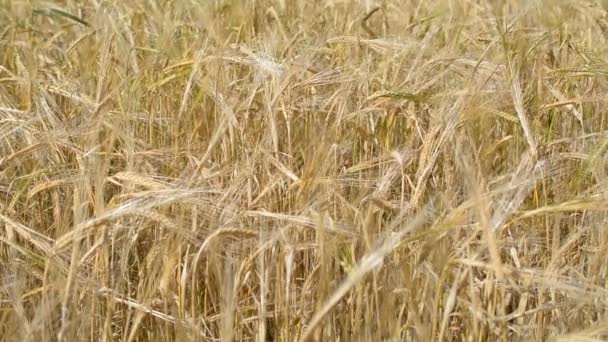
290, 170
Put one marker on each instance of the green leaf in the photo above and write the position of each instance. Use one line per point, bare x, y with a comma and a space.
54, 12
419, 98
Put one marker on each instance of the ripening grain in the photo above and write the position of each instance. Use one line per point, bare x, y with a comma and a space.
274, 170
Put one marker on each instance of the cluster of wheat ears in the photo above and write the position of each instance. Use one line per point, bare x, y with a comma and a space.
290, 170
